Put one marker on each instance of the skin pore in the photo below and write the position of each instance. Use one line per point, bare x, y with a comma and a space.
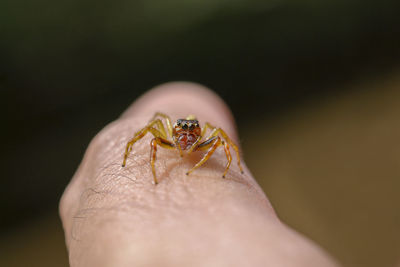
116, 216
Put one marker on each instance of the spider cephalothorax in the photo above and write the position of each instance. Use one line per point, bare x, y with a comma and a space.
186, 135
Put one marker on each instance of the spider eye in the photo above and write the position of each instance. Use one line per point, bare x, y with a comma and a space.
185, 126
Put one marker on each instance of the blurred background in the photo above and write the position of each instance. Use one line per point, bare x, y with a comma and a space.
314, 86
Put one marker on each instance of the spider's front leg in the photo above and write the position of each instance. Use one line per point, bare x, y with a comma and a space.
161, 142
212, 144
139, 135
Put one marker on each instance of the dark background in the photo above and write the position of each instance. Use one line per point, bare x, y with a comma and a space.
69, 67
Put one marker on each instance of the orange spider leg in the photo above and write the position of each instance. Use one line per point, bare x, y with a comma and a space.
138, 136
217, 131
160, 125
228, 157
179, 149
169, 127
206, 126
203, 131
212, 143
167, 120
161, 142
150, 124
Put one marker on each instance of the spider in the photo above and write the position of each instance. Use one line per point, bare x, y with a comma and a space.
186, 135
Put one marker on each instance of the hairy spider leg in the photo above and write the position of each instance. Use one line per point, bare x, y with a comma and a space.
217, 131
163, 143
212, 144
167, 120
138, 136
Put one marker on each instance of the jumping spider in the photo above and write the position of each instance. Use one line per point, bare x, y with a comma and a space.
186, 135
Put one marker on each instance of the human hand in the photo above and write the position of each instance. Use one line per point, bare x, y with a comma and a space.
115, 216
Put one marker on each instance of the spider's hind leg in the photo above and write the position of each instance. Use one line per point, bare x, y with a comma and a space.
228, 157
153, 144
167, 120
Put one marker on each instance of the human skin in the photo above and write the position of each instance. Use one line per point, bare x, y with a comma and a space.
115, 216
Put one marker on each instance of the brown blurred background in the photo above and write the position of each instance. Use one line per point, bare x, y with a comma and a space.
315, 88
